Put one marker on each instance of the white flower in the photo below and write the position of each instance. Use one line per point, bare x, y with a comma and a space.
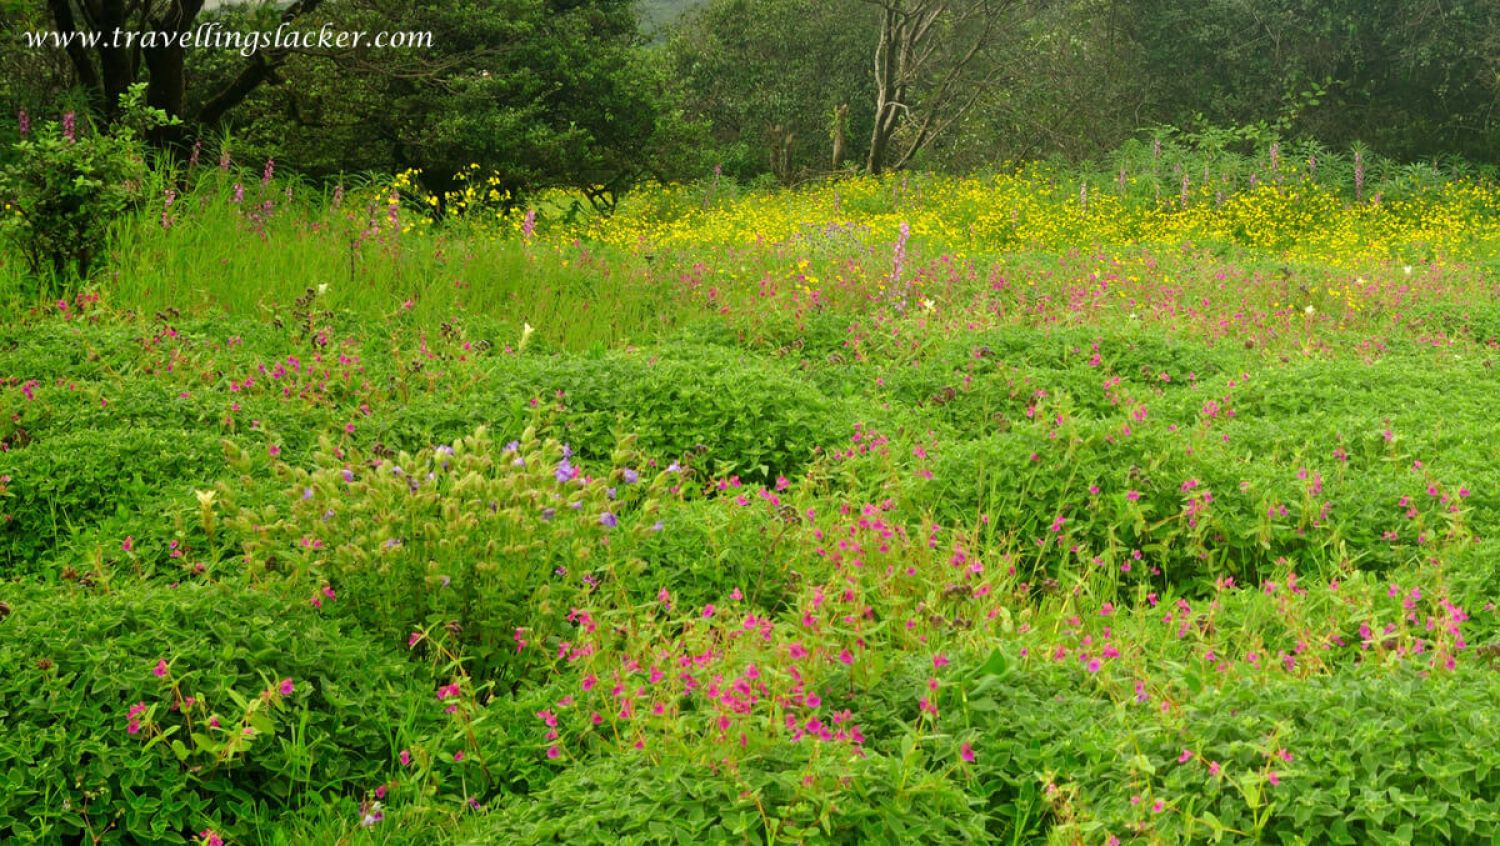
322, 289
1407, 269
928, 305
1309, 309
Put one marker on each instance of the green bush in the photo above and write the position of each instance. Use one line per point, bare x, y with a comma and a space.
77, 762
77, 478
66, 186
744, 415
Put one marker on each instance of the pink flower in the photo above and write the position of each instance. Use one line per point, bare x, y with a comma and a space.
160, 670
273, 450
405, 757
458, 756
553, 752
128, 544
210, 838
708, 611
1213, 768
412, 641
1187, 755
1274, 779
966, 752
286, 687
939, 661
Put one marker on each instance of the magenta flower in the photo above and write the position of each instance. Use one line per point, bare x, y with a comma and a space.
160, 670
405, 757
966, 752
128, 544
287, 687
553, 752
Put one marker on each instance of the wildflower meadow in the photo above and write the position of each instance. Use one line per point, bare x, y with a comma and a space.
1154, 503
1151, 497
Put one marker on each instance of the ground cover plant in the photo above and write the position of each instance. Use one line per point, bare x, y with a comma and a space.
1156, 503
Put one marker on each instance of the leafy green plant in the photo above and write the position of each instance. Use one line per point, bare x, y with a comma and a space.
64, 187
147, 715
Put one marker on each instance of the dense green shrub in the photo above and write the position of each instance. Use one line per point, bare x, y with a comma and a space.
1371, 756
78, 478
672, 800
66, 185
75, 760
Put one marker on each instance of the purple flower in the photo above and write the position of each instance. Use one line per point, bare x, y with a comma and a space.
631, 477
510, 447
70, 127
565, 470
608, 519
549, 513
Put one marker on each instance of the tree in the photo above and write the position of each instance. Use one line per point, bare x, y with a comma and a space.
761, 71
548, 93
932, 64
152, 32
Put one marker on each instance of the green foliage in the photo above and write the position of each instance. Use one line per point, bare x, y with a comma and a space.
497, 541
69, 482
79, 762
765, 801
63, 186
745, 65
708, 406
544, 93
